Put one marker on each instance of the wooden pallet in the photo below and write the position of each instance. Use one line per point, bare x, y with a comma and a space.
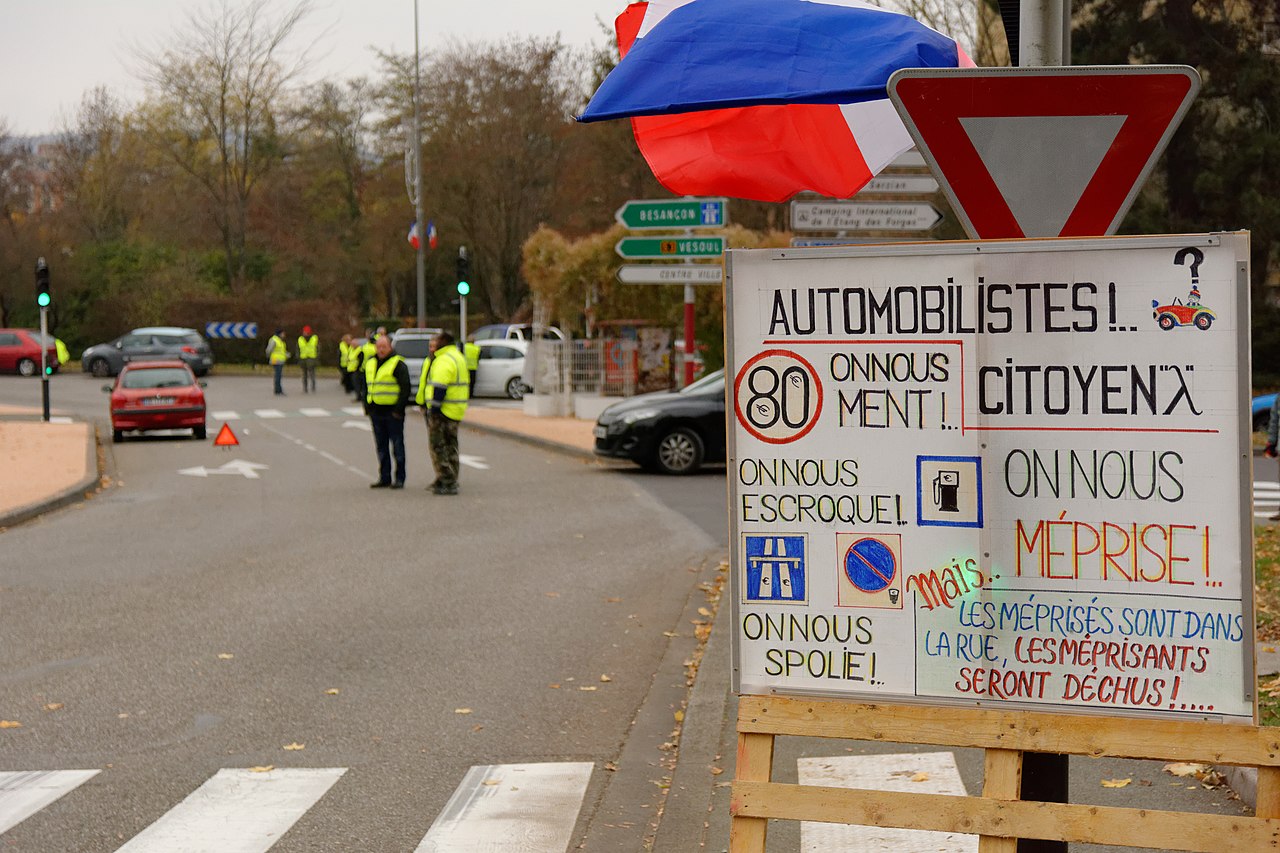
999, 817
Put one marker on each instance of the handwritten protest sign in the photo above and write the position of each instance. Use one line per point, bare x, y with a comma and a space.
1008, 473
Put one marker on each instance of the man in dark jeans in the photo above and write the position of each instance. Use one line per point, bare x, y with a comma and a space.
386, 395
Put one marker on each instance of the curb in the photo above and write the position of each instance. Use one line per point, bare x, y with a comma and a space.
70, 495
544, 443
1244, 781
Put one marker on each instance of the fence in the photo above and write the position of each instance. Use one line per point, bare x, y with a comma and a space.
608, 367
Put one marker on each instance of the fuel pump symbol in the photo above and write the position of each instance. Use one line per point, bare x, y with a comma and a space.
946, 491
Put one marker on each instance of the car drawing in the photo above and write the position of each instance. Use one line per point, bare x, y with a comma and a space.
1177, 314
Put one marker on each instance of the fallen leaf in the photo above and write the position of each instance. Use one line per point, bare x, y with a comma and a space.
294, 747
477, 727
266, 768
920, 776
716, 771
554, 686
225, 656
53, 706
605, 679
1183, 768
552, 594
492, 782
670, 634
679, 716
1269, 649
462, 710
1115, 783
704, 611
10, 724
332, 691
122, 716
609, 765
589, 688
613, 600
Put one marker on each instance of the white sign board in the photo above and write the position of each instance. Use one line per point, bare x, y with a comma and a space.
863, 216
670, 274
916, 184
1006, 473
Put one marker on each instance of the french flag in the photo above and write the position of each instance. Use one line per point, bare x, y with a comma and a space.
762, 99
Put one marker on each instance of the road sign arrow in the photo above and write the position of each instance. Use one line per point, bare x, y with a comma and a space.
239, 467
863, 216
670, 247
1043, 152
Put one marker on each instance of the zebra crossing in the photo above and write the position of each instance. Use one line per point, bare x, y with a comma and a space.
1266, 498
247, 810
278, 414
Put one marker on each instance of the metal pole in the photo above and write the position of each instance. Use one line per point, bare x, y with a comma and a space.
417, 179
44, 357
1041, 41
688, 334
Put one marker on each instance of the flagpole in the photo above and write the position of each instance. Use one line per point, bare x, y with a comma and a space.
421, 251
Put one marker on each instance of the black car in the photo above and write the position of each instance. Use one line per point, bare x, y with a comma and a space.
671, 432
149, 344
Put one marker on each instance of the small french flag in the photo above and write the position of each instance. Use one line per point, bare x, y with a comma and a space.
433, 239
413, 236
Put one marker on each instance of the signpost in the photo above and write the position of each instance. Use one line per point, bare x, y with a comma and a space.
671, 274
672, 214
913, 184
670, 247
1043, 152
863, 216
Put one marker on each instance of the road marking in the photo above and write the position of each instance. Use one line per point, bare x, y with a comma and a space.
60, 419
242, 467
23, 793
473, 461
937, 774
355, 411
314, 413
268, 413
364, 425
225, 415
334, 459
236, 811
500, 806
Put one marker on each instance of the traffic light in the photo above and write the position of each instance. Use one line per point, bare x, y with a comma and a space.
464, 271
42, 284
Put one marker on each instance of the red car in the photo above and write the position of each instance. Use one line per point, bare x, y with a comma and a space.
1176, 314
151, 395
20, 352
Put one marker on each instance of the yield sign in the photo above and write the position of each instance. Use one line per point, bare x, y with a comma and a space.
1043, 152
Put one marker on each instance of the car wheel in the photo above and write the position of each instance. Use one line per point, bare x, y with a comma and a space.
1203, 321
1166, 322
27, 367
117, 436
678, 452
199, 433
515, 388
99, 368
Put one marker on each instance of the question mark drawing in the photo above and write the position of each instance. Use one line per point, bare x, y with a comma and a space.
1197, 258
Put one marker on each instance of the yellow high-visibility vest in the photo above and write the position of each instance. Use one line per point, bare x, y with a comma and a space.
448, 370
353, 357
344, 350
472, 352
382, 387
280, 352
309, 347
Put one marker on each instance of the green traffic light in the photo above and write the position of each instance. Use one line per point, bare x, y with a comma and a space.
463, 288
48, 370
43, 300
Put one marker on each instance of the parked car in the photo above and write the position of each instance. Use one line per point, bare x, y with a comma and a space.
670, 432
515, 332
501, 370
1261, 413
151, 395
149, 344
20, 352
413, 345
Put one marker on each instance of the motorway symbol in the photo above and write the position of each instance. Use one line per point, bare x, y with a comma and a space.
364, 425
225, 437
863, 216
241, 331
672, 213
237, 467
1043, 152
776, 568
670, 247
670, 274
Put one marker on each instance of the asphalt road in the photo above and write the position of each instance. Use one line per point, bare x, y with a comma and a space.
175, 625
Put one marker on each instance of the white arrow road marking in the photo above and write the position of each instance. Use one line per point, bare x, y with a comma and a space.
918, 773
473, 461
364, 425
241, 467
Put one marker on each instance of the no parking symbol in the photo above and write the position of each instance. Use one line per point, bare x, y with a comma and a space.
870, 570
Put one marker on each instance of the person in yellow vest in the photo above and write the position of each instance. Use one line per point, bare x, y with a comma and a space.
344, 352
277, 355
471, 350
443, 393
355, 372
308, 355
386, 378
64, 355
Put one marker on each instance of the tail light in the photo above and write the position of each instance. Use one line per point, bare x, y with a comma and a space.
189, 350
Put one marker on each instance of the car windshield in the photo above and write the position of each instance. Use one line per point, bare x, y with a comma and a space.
708, 383
156, 377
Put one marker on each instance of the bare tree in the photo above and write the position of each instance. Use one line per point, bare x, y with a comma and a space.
218, 88
96, 166
15, 198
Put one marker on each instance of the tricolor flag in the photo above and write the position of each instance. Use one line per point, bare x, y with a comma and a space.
763, 99
432, 239
414, 241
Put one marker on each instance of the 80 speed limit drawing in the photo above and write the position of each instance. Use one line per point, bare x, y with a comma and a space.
777, 396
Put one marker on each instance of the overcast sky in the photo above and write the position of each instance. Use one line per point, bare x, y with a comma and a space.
53, 51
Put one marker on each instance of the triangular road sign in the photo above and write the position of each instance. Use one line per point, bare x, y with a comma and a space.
226, 438
1043, 152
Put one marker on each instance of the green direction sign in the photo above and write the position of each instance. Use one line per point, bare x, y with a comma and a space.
670, 247
672, 213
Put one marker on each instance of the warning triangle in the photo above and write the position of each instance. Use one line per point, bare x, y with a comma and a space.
226, 438
1043, 152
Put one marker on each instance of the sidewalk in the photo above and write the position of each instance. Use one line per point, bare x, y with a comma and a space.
42, 465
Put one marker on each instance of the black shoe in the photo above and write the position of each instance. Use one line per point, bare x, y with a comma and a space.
444, 490
435, 484
379, 485
397, 485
